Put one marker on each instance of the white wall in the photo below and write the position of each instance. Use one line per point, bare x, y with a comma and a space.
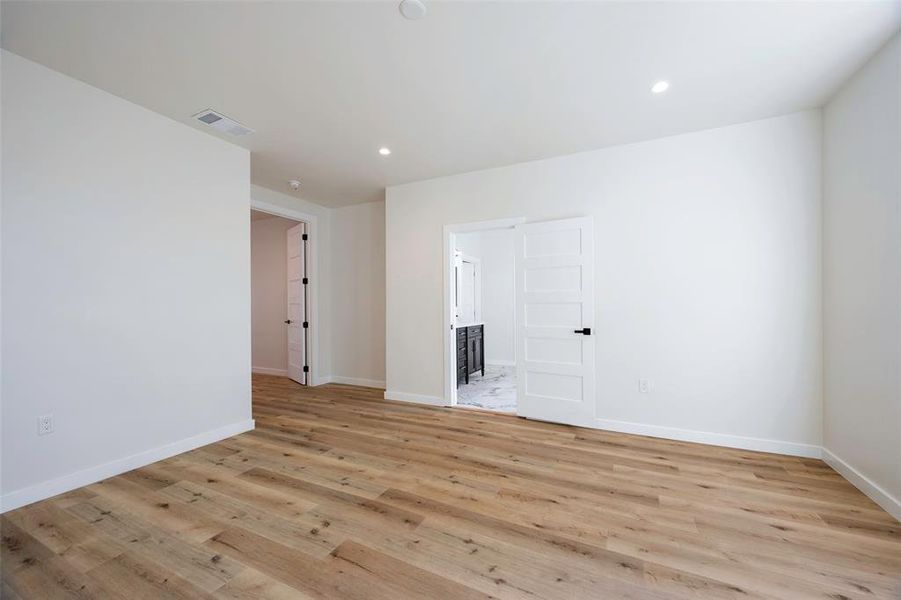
862, 278
126, 284
357, 326
494, 248
708, 277
269, 290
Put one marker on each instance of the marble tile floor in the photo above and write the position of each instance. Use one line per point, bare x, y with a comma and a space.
496, 390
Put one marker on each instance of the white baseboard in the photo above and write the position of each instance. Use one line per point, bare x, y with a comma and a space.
658, 431
713, 439
268, 371
866, 485
417, 398
66, 483
500, 363
373, 383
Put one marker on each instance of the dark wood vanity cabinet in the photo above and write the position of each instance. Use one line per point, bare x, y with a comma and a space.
475, 354
462, 373
470, 352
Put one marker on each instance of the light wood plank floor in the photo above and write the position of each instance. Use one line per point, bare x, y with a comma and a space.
338, 494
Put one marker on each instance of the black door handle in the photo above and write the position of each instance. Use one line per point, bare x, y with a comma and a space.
288, 322
584, 331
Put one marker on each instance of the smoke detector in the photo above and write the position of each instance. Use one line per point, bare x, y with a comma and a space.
294, 184
221, 123
412, 9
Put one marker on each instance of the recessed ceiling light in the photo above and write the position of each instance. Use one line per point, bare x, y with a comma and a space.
660, 87
384, 151
412, 9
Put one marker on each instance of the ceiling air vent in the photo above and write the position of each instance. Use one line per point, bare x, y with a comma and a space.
220, 122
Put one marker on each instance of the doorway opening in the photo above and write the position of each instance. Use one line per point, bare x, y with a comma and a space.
481, 308
484, 309
280, 299
519, 304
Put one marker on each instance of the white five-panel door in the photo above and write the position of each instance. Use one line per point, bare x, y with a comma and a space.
555, 364
296, 305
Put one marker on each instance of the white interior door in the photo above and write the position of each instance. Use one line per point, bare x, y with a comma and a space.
296, 305
555, 366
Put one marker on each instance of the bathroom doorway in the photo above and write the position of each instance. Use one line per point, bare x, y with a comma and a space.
481, 302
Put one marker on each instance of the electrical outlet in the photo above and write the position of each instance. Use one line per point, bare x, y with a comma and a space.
644, 386
45, 424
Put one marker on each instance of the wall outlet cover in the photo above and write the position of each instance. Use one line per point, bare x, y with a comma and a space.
45, 424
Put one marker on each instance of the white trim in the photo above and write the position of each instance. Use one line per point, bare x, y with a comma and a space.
866, 485
415, 398
450, 353
281, 211
312, 221
485, 225
66, 483
449, 317
500, 363
668, 433
712, 439
373, 383
268, 371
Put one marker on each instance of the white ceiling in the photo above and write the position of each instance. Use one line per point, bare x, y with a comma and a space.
472, 85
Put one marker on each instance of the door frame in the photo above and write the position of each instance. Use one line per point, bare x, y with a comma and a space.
449, 315
312, 223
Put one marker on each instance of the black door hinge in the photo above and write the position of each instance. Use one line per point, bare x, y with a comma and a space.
306, 324
305, 237
306, 369
306, 281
